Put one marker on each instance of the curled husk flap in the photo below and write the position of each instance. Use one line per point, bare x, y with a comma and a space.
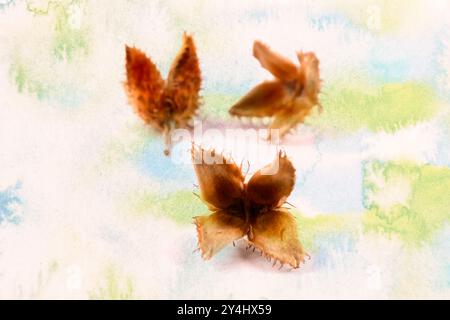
164, 105
251, 210
290, 97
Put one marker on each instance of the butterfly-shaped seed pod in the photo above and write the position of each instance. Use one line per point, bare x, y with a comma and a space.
252, 210
164, 105
290, 97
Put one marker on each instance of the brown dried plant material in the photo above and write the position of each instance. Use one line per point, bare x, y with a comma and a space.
164, 105
290, 97
252, 210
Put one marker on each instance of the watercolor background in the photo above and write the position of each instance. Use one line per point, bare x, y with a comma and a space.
90, 207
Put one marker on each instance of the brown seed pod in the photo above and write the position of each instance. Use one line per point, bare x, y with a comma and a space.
250, 209
290, 97
164, 105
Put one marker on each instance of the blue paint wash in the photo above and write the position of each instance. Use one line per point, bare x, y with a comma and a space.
69, 96
441, 80
394, 59
340, 242
152, 162
257, 15
441, 249
330, 20
9, 198
327, 188
4, 4
335, 188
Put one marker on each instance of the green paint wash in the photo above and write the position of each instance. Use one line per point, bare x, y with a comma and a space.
45, 275
125, 145
380, 16
70, 33
116, 286
389, 107
312, 228
180, 206
53, 266
19, 74
218, 104
26, 81
418, 216
70, 39
56, 76
43, 86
